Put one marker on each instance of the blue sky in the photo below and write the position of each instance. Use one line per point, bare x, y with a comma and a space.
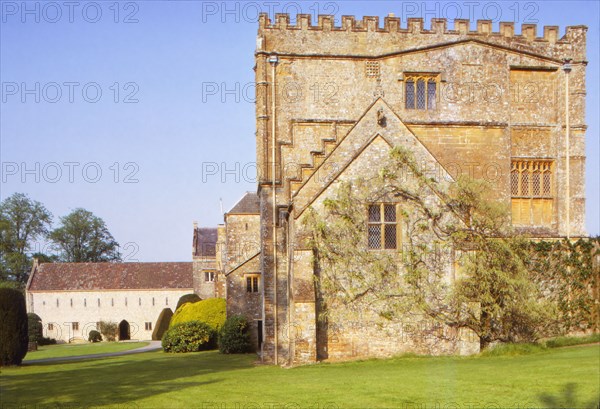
142, 112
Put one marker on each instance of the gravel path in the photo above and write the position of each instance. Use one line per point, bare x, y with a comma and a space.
152, 346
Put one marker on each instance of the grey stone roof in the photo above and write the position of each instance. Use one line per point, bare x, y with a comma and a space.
205, 242
110, 276
249, 204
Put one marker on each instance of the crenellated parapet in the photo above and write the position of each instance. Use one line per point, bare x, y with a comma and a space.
547, 40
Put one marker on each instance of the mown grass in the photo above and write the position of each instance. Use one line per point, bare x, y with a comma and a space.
64, 350
565, 377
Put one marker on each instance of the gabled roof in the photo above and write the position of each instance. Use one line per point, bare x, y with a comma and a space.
364, 133
249, 204
110, 276
205, 242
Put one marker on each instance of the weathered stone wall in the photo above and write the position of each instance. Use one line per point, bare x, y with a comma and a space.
242, 248
500, 96
62, 308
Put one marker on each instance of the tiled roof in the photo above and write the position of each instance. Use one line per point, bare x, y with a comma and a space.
205, 242
249, 204
111, 276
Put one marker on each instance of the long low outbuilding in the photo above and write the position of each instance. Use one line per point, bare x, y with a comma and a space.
72, 298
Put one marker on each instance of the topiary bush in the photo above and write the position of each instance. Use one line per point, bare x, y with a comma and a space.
13, 327
162, 324
234, 337
210, 311
192, 336
191, 298
94, 336
34, 327
108, 329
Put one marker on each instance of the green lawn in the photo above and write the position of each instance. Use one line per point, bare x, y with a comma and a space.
210, 380
62, 350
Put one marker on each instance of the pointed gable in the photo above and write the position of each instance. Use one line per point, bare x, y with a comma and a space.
374, 135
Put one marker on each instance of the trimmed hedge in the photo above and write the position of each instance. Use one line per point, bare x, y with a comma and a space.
162, 324
234, 337
13, 327
46, 341
210, 311
34, 327
190, 336
192, 298
94, 336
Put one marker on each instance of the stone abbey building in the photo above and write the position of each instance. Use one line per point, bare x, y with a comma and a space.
500, 106
333, 100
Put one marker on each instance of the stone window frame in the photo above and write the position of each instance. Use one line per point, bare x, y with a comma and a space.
532, 191
148, 326
428, 94
252, 283
210, 276
75, 326
50, 326
380, 223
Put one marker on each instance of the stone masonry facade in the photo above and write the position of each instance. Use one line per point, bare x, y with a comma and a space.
488, 105
331, 103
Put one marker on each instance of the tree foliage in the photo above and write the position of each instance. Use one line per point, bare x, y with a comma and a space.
459, 263
23, 221
34, 327
109, 329
191, 336
84, 237
234, 337
13, 327
162, 324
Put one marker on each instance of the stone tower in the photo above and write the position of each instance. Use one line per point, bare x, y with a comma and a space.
500, 106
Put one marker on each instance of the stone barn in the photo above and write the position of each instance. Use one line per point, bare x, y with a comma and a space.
71, 298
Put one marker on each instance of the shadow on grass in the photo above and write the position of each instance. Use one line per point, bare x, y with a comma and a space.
113, 381
568, 399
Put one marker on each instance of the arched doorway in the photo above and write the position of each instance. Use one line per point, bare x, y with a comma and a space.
124, 333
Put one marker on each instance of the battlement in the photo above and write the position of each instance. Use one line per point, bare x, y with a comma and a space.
326, 23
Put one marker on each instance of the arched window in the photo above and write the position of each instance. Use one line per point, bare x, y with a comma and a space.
536, 183
547, 183
514, 182
431, 93
410, 94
